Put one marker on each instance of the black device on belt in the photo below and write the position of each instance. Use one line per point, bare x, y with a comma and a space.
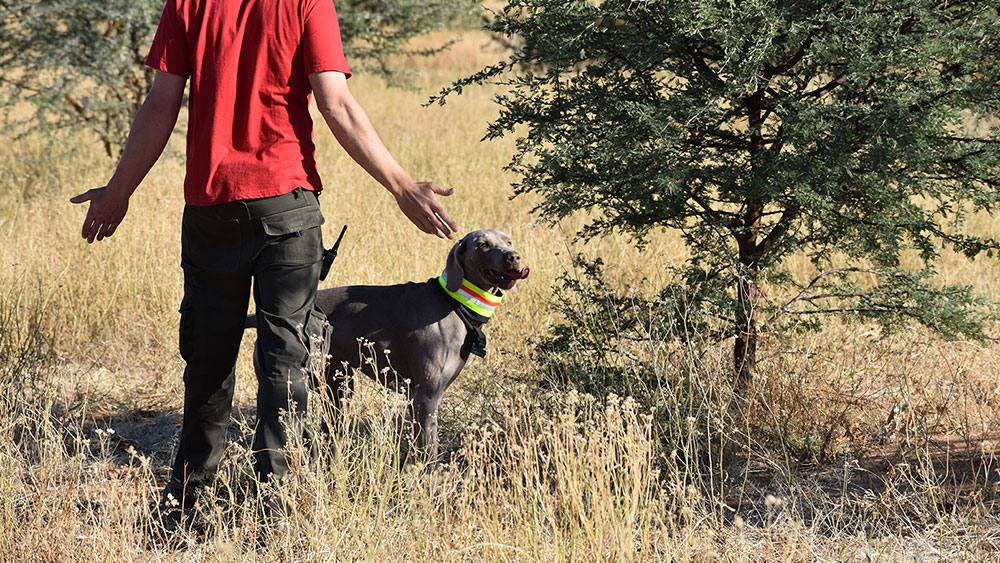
330, 255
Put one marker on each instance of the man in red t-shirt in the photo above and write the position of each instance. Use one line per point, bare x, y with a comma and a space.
251, 202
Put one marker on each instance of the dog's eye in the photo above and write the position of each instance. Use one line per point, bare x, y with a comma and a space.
483, 245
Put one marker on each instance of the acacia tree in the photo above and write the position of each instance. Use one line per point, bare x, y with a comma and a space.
761, 128
79, 63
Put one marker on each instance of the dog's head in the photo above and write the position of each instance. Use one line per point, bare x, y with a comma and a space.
487, 259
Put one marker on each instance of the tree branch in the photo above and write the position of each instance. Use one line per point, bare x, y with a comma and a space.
969, 140
844, 310
840, 80
779, 230
772, 71
801, 296
702, 66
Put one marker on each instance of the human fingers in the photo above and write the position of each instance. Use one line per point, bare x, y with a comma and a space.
90, 221
439, 190
420, 205
91, 233
450, 225
427, 223
89, 224
80, 198
437, 228
86, 196
96, 224
106, 230
444, 225
96, 227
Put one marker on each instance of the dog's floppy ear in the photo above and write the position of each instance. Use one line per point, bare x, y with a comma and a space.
453, 271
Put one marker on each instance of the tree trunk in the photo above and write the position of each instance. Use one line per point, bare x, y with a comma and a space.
748, 292
745, 347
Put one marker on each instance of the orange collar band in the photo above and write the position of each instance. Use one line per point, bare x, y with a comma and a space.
477, 299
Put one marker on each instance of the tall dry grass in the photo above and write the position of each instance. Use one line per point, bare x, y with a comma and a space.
852, 446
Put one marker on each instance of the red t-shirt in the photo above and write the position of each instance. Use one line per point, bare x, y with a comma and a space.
249, 130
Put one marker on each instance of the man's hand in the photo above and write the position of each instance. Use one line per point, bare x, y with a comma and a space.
419, 203
150, 131
104, 215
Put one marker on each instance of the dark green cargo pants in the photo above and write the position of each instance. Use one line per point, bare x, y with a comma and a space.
277, 242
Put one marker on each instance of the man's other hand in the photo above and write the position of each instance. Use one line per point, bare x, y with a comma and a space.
106, 212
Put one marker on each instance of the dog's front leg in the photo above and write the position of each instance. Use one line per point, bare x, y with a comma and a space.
424, 407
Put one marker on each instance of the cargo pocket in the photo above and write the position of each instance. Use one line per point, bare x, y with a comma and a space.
294, 236
184, 332
316, 335
293, 221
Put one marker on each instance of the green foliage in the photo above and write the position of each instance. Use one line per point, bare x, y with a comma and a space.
78, 64
374, 31
762, 128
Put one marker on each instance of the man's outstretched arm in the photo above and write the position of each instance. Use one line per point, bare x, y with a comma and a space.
148, 136
355, 132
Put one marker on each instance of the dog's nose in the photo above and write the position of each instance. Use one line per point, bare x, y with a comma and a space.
513, 259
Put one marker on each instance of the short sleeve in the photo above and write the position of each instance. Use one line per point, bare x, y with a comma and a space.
322, 49
169, 51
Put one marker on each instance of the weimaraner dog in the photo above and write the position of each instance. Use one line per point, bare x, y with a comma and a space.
423, 332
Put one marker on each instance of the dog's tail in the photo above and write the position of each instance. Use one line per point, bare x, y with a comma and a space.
251, 322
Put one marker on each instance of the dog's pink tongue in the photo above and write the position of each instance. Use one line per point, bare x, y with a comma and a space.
522, 274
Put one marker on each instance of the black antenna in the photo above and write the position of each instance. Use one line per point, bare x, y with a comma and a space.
330, 255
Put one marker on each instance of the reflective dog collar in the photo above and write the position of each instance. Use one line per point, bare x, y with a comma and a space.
478, 300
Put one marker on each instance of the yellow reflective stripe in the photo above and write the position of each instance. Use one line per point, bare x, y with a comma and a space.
475, 298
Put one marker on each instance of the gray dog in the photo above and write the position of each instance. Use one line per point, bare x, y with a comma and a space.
429, 328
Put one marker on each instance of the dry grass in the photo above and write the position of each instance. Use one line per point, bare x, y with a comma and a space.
853, 447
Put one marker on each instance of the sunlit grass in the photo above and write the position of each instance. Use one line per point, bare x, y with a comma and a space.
535, 475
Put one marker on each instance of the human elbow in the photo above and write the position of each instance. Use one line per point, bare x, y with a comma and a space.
334, 111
